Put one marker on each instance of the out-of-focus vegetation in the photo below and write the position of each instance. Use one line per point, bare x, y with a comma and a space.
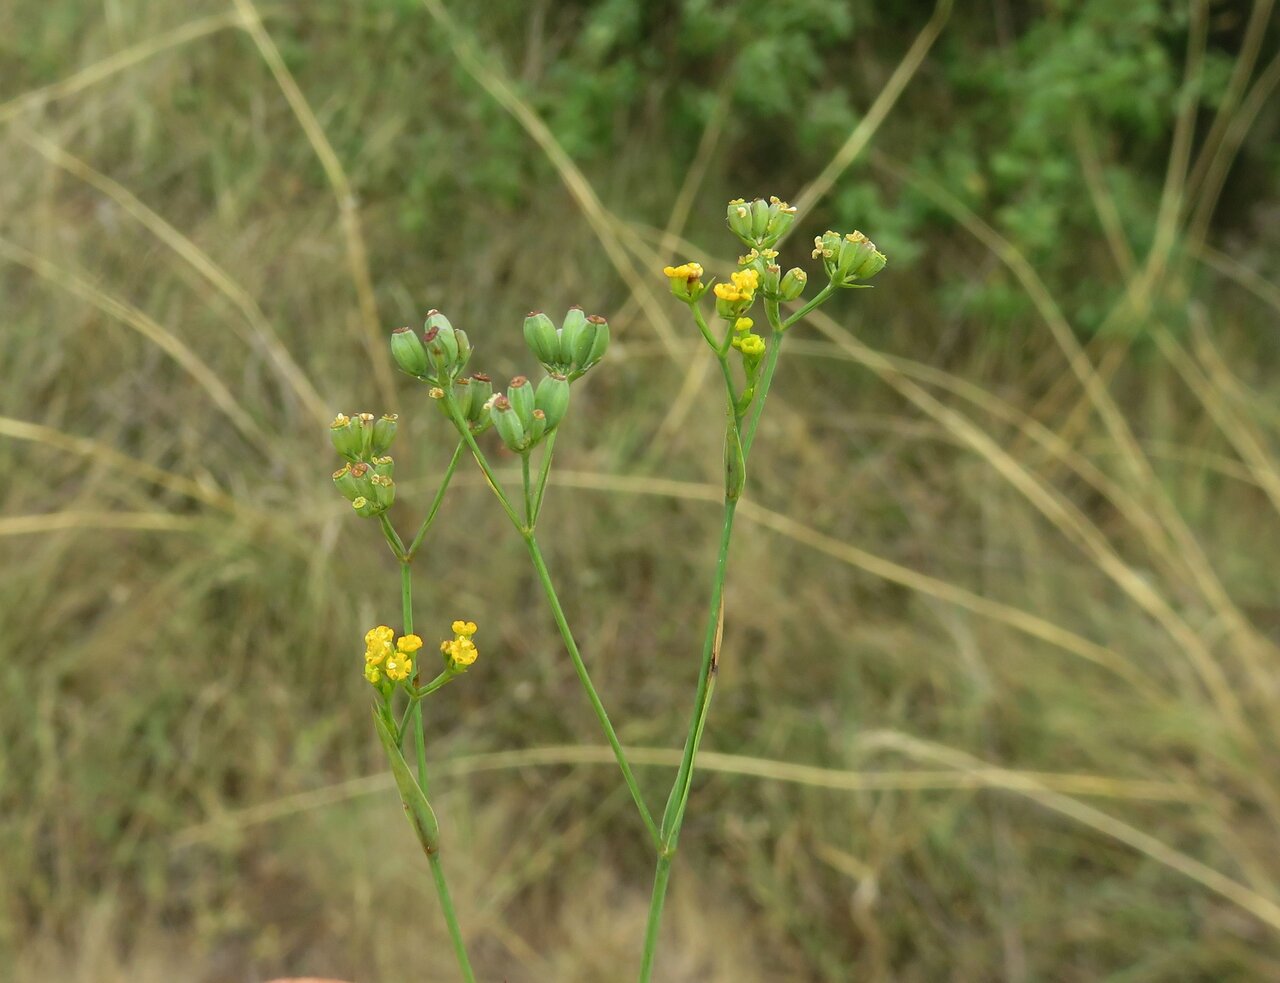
1001, 653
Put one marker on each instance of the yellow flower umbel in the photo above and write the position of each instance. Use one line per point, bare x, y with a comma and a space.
686, 281
734, 299
460, 651
381, 657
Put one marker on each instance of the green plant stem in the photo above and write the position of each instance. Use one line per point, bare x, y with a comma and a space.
451, 919
678, 800
420, 749
660, 877
469, 439
437, 501
543, 474
528, 490
544, 577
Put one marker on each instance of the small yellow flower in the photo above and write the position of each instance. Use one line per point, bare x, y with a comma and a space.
464, 628
685, 271
743, 324
752, 344
377, 645
746, 280
381, 634
399, 666
462, 652
373, 674
408, 644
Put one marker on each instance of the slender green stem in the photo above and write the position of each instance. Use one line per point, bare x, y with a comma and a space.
451, 919
420, 749
392, 537
660, 877
702, 326
528, 490
673, 815
455, 414
437, 501
544, 474
678, 800
544, 577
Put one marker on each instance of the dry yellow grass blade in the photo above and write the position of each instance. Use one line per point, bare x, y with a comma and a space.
491, 79
261, 330
51, 437
118, 62
1246, 441
1263, 908
834, 779
160, 336
1260, 287
1023, 621
1064, 516
1254, 648
348, 207
26, 525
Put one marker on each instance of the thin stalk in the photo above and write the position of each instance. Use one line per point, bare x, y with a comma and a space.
455, 414
544, 577
660, 877
673, 815
451, 919
420, 749
392, 537
544, 474
437, 501
528, 490
678, 800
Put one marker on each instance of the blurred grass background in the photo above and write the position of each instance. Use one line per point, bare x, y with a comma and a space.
1000, 690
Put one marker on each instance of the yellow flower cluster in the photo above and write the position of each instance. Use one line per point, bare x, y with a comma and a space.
743, 324
685, 271
460, 651
743, 286
381, 656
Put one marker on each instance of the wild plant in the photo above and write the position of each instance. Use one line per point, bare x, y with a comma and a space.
527, 419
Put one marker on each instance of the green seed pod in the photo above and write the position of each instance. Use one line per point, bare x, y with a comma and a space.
853, 253
384, 491
781, 217
365, 422
481, 390
409, 352
771, 282
538, 427
542, 338
592, 343
462, 395
345, 482
384, 466
738, 218
759, 219
872, 265
384, 432
735, 465
362, 480
347, 437
365, 507
575, 322
464, 349
507, 423
521, 397
442, 345
793, 284
553, 398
